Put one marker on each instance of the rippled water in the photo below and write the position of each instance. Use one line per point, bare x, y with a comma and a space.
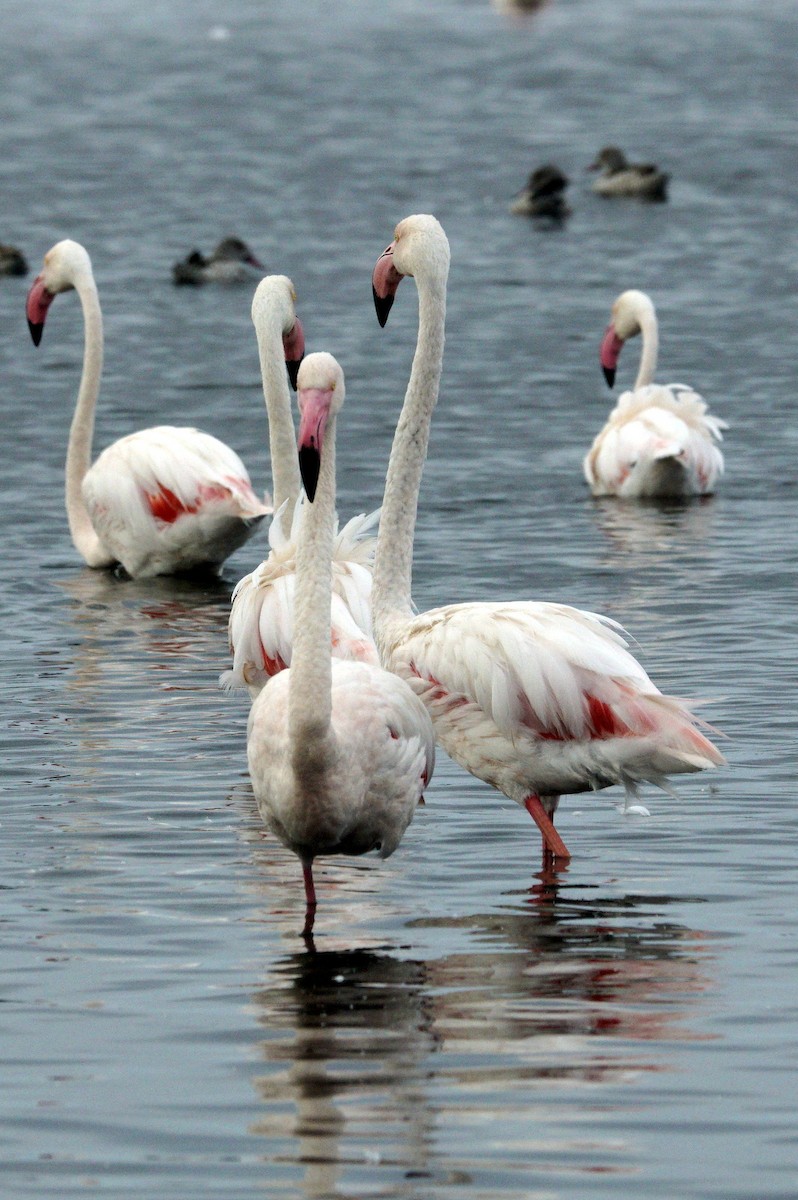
465, 1028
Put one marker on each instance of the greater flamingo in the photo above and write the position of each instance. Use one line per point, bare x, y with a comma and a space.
660, 440
536, 699
262, 611
339, 752
160, 501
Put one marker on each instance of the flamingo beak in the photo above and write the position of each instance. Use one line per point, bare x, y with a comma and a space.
385, 280
315, 411
294, 350
611, 346
36, 305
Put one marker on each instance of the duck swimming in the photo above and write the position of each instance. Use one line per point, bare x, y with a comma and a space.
621, 178
231, 262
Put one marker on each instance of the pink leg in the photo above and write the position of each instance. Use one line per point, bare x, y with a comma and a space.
551, 838
310, 897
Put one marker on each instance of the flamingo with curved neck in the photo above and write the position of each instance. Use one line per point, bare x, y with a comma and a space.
160, 501
339, 752
536, 699
261, 625
660, 441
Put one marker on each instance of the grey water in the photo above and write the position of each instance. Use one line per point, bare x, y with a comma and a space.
465, 1027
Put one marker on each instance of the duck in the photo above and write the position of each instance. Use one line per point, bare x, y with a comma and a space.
12, 261
230, 262
543, 195
621, 178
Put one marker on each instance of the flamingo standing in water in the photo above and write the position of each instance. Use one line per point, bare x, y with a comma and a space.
261, 626
659, 441
536, 699
339, 752
160, 501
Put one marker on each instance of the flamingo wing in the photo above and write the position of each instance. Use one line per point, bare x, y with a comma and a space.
261, 613
544, 698
171, 498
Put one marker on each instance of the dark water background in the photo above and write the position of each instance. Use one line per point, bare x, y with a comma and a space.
462, 1030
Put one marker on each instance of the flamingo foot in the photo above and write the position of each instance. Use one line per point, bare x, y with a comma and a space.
552, 842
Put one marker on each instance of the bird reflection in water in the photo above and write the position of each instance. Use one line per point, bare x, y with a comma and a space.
384, 1069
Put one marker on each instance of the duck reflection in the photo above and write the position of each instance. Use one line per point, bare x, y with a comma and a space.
379, 1061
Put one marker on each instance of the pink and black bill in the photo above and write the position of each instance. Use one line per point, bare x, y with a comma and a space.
312, 424
39, 300
294, 350
611, 346
385, 280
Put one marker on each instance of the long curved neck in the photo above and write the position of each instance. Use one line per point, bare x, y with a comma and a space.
648, 351
393, 567
286, 482
310, 703
81, 431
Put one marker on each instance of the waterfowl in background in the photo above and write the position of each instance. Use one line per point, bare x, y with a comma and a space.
544, 195
12, 261
660, 441
161, 501
231, 262
339, 752
621, 178
536, 699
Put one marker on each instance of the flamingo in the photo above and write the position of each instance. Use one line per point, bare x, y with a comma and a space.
536, 699
159, 501
261, 614
339, 752
621, 178
659, 440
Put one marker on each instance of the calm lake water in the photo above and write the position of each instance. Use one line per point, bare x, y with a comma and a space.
464, 1029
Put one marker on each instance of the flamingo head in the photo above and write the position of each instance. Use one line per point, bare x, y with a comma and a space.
320, 395
628, 313
62, 263
274, 299
419, 244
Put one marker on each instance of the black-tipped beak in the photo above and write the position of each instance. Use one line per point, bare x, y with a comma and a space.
292, 365
309, 467
36, 306
383, 305
609, 375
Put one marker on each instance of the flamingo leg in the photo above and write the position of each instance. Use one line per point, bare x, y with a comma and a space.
310, 898
551, 838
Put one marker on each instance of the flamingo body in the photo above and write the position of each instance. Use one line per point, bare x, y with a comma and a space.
160, 501
536, 699
380, 750
660, 441
261, 625
170, 499
339, 752
543, 698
